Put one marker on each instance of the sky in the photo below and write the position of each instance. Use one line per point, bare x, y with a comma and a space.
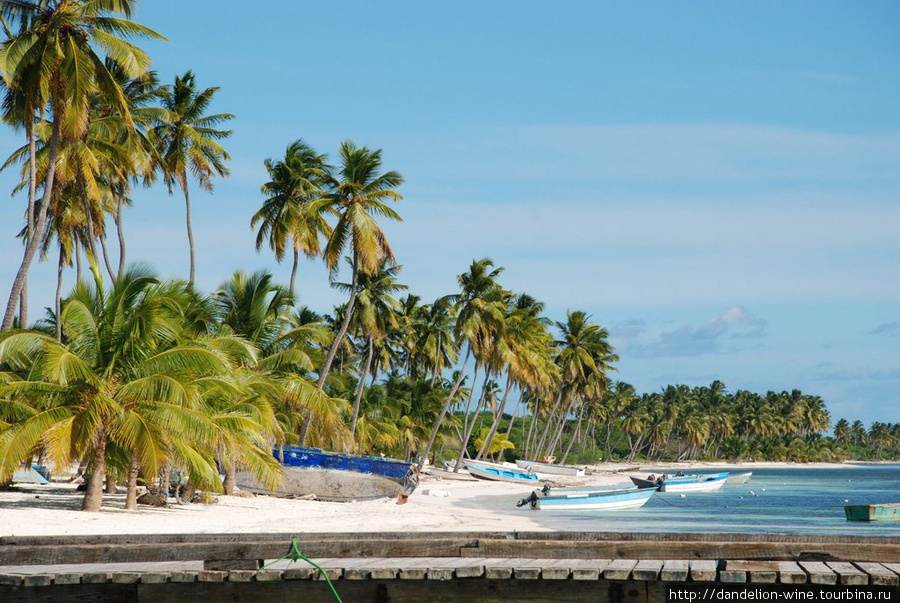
717, 184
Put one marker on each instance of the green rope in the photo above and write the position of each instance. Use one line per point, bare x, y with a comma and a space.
294, 555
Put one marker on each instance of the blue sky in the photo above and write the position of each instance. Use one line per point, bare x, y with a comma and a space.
715, 183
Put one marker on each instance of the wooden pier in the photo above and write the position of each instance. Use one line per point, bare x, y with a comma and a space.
446, 566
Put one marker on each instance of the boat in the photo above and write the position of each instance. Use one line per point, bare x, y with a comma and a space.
461, 475
887, 511
739, 478
551, 468
709, 482
336, 477
502, 473
564, 499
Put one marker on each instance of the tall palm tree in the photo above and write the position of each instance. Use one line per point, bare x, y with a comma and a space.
53, 60
287, 216
358, 193
479, 308
187, 141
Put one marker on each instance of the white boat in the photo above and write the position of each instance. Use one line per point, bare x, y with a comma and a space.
739, 478
564, 499
503, 473
709, 482
551, 468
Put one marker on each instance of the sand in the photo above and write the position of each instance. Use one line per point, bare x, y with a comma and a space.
437, 505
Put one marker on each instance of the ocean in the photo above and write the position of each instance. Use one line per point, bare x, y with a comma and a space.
776, 500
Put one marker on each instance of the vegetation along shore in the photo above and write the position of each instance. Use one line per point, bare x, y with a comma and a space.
134, 378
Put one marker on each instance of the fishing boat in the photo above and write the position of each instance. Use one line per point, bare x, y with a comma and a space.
564, 499
888, 511
551, 468
739, 478
709, 482
338, 477
502, 473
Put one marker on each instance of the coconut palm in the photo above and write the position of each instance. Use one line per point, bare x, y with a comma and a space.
375, 315
287, 215
122, 378
187, 141
53, 60
359, 192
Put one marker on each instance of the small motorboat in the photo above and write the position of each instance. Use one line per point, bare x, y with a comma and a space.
695, 482
563, 499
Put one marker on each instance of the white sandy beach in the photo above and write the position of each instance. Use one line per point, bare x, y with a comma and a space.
437, 505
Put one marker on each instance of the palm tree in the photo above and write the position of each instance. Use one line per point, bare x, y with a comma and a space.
286, 214
358, 193
375, 314
122, 378
53, 61
187, 140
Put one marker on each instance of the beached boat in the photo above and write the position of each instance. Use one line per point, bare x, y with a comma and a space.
565, 499
709, 482
885, 512
551, 468
338, 477
739, 478
502, 473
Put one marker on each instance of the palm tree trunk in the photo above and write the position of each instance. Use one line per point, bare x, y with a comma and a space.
23, 305
359, 388
486, 444
190, 231
111, 486
77, 244
109, 270
577, 430
513, 416
471, 426
131, 485
563, 420
34, 243
57, 306
294, 269
228, 481
539, 449
120, 233
348, 311
93, 495
460, 375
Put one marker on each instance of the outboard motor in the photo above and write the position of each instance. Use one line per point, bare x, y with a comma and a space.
531, 499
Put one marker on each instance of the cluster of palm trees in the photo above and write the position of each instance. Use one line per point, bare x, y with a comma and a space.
95, 125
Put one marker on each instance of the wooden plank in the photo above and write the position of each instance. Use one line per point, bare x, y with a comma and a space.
37, 580
558, 569
647, 570
155, 578
95, 577
211, 576
10, 580
879, 575
67, 578
704, 570
848, 573
461, 567
619, 569
269, 575
819, 573
629, 549
239, 575
765, 572
498, 568
247, 550
588, 569
790, 573
674, 570
185, 576
126, 577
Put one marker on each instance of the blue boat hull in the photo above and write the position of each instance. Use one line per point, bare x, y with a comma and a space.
314, 473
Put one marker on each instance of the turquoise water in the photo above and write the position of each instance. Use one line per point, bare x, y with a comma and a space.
789, 500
